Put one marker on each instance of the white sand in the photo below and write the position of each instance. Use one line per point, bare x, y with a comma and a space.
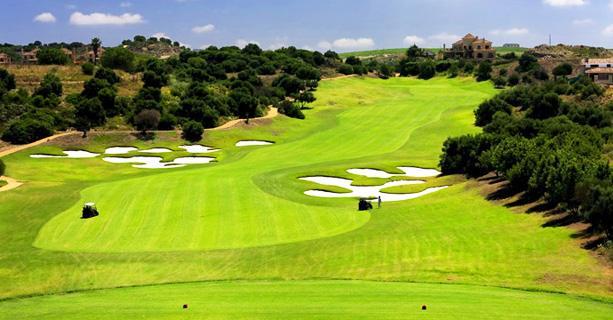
119, 150
365, 191
408, 171
156, 162
193, 160
196, 148
419, 172
245, 143
69, 154
156, 150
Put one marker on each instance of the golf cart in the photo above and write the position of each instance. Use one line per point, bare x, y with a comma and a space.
364, 205
89, 210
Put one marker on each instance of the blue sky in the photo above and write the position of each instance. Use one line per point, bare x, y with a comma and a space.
340, 25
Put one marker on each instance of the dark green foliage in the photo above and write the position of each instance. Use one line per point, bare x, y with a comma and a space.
414, 52
291, 85
353, 61
486, 110
48, 56
308, 73
290, 109
107, 74
89, 113
118, 58
2, 167
7, 82
461, 155
427, 69
468, 68
484, 70
545, 106
51, 86
266, 69
345, 69
527, 62
252, 49
513, 80
88, 68
331, 55
499, 82
443, 66
563, 70
92, 86
540, 73
305, 97
192, 131
30, 127
598, 208
386, 70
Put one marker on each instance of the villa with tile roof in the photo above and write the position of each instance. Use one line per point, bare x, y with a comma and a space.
599, 70
4, 58
471, 48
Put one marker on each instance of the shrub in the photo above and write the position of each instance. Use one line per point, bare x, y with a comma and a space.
486, 110
147, 120
192, 131
88, 68
513, 80
290, 109
345, 69
427, 70
2, 167
27, 130
52, 56
484, 70
118, 58
107, 74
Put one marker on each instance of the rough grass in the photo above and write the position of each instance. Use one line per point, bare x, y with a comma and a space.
308, 300
248, 200
374, 53
3, 183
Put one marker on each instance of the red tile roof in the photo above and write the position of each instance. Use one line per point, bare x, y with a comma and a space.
599, 70
597, 61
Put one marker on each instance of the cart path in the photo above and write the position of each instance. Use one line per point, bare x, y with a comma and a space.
273, 112
12, 184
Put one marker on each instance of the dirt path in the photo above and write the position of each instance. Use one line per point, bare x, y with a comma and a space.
273, 112
13, 149
340, 77
12, 183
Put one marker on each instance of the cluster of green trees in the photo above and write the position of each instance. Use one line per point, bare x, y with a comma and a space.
544, 146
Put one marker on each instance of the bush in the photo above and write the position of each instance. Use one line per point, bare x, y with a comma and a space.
27, 130
107, 74
484, 70
513, 80
345, 69
52, 56
486, 110
88, 68
147, 120
2, 167
192, 131
427, 69
118, 58
290, 109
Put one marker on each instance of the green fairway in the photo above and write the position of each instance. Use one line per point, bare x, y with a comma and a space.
307, 300
246, 218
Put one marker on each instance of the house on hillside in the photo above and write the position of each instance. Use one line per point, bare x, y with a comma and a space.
30, 56
599, 70
471, 48
90, 54
5, 59
69, 53
510, 45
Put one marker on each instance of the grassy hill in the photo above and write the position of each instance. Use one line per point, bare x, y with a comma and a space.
400, 51
246, 218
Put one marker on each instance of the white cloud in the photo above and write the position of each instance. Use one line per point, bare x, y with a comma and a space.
510, 32
324, 45
608, 31
160, 35
241, 43
348, 43
203, 29
445, 37
565, 3
276, 46
125, 4
205, 46
307, 47
410, 40
45, 17
96, 18
582, 21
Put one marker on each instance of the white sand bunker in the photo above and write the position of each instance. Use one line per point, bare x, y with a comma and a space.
69, 154
119, 150
365, 191
196, 148
408, 171
245, 143
156, 150
156, 162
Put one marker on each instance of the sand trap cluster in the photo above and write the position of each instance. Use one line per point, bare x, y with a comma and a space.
245, 143
374, 191
156, 162
147, 162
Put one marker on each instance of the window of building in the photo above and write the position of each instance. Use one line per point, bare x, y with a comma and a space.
478, 47
594, 66
487, 47
479, 55
490, 55
603, 77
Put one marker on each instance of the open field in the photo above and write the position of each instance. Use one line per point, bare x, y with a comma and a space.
246, 218
374, 53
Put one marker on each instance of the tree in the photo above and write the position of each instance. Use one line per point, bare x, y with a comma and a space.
414, 52
88, 68
51, 85
305, 97
95, 46
290, 109
427, 69
7, 82
386, 70
527, 62
563, 70
48, 56
147, 120
331, 55
2, 167
345, 69
484, 70
107, 74
513, 80
598, 209
118, 58
89, 113
486, 110
352, 60
192, 131
500, 82
252, 49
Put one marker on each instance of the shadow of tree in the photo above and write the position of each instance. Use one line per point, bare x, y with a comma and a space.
144, 137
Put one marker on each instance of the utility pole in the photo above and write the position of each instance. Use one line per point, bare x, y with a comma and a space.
550, 39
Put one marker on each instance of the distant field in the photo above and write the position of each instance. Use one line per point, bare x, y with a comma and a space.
370, 53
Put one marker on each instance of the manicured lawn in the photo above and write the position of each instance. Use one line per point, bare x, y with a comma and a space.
246, 218
307, 300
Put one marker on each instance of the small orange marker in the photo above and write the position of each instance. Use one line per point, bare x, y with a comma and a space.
423, 307
185, 306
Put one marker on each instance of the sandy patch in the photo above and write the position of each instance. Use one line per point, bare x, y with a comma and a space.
408, 171
196, 148
69, 154
119, 150
156, 150
245, 143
